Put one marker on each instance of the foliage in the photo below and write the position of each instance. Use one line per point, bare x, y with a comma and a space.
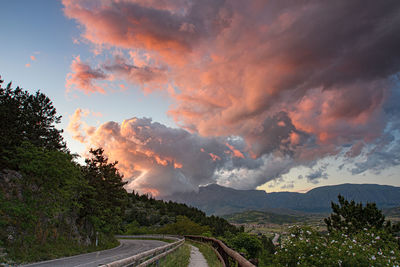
105, 199
145, 214
183, 226
250, 245
27, 117
350, 217
49, 187
61, 247
47, 200
38, 200
180, 257
306, 247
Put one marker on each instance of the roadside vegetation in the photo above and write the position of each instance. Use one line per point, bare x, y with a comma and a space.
180, 257
357, 236
51, 206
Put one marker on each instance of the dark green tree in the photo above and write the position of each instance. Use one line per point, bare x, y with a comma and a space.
246, 243
351, 217
27, 117
105, 200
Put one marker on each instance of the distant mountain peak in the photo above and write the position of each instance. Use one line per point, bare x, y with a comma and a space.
219, 200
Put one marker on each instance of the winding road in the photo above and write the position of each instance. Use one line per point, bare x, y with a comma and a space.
127, 248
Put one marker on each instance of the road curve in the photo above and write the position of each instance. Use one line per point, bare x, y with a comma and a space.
128, 247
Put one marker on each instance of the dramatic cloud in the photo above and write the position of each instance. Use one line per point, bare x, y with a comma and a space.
295, 81
158, 159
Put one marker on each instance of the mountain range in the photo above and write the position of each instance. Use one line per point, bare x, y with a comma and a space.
218, 200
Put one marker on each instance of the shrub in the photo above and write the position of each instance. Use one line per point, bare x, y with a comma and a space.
306, 247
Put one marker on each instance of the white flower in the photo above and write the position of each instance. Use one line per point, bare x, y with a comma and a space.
354, 241
350, 247
377, 238
308, 232
373, 257
292, 235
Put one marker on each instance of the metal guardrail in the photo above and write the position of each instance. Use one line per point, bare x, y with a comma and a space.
150, 256
226, 253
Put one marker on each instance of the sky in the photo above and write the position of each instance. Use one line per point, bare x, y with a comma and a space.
273, 95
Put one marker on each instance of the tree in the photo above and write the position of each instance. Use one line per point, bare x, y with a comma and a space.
27, 117
105, 200
246, 243
351, 217
184, 226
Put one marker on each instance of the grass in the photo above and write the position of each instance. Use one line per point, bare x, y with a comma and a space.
52, 250
207, 252
178, 258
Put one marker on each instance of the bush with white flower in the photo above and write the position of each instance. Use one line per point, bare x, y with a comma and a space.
307, 247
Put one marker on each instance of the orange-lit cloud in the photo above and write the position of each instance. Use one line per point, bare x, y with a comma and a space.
235, 152
153, 156
77, 127
214, 157
83, 77
296, 83
33, 58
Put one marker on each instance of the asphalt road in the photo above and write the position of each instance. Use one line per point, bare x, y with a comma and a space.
126, 249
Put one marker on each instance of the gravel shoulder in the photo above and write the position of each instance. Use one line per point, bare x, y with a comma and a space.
196, 258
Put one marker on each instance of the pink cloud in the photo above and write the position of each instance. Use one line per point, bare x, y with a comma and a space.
82, 77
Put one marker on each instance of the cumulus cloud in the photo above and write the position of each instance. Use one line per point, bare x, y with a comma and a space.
295, 81
158, 159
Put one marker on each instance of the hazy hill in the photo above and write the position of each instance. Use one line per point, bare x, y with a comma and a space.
254, 216
219, 200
